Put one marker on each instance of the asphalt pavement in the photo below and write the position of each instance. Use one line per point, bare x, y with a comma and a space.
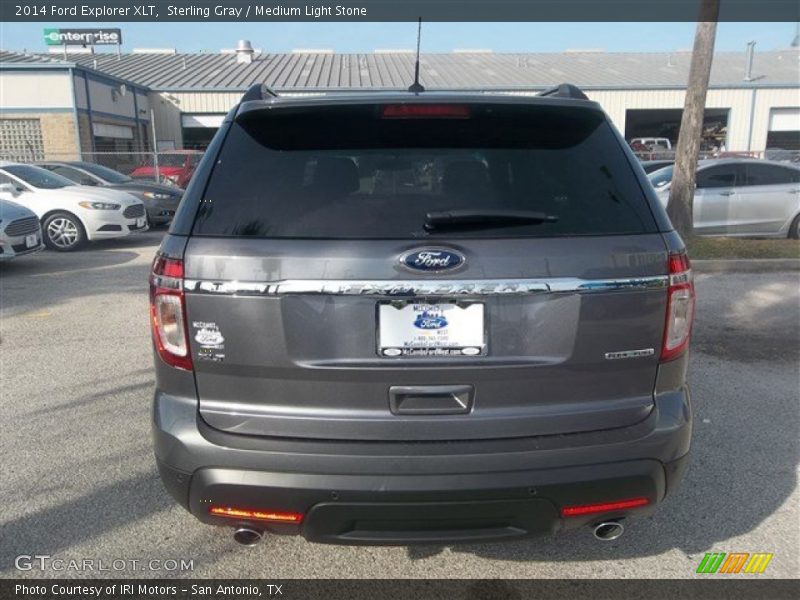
78, 481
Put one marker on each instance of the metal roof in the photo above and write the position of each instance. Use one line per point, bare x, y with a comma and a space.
394, 71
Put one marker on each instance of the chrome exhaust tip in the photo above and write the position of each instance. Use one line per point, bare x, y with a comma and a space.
247, 536
608, 530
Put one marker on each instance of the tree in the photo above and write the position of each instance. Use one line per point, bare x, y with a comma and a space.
681, 195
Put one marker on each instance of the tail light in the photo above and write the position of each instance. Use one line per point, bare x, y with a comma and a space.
168, 312
680, 307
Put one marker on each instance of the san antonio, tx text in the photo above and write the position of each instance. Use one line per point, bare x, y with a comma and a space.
314, 11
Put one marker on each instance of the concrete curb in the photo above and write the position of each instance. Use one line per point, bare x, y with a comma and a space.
746, 265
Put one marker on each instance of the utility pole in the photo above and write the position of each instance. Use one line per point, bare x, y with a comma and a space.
681, 195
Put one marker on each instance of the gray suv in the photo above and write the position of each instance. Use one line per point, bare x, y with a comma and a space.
401, 318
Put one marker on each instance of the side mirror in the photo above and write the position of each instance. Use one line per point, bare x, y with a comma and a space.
10, 189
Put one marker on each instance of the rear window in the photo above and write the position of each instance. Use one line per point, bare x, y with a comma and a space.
346, 172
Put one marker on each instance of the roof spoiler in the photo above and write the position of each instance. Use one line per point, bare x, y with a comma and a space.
258, 91
565, 90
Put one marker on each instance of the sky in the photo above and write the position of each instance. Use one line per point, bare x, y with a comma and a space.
436, 37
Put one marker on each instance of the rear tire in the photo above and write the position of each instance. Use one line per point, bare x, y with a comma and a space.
63, 232
794, 229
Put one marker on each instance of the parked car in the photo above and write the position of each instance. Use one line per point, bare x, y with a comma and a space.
741, 197
174, 168
160, 201
20, 231
70, 214
654, 165
494, 347
652, 143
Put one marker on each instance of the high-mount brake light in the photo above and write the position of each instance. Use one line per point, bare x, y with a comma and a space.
425, 111
265, 514
680, 307
602, 507
168, 312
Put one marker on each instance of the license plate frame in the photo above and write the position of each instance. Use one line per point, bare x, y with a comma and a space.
402, 331
31, 241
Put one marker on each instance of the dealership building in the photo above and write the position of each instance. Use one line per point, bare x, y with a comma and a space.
64, 105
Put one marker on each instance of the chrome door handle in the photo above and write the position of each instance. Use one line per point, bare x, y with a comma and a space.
727, 193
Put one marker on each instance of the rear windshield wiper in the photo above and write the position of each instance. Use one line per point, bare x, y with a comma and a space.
478, 218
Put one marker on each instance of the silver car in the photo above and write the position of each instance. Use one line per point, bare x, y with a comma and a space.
20, 231
741, 197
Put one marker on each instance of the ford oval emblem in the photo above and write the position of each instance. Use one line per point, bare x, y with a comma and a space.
432, 260
429, 321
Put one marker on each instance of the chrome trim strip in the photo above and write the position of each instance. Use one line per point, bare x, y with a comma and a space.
417, 288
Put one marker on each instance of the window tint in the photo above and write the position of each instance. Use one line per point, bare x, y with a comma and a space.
74, 175
104, 173
347, 173
39, 178
717, 177
756, 174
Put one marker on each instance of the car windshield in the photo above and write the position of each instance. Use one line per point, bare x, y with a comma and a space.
38, 177
662, 177
104, 173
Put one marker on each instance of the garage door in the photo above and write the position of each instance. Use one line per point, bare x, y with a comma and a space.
214, 121
108, 130
783, 138
784, 119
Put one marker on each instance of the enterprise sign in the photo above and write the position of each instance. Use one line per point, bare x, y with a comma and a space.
82, 37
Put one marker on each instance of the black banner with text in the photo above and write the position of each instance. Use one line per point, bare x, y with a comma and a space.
391, 10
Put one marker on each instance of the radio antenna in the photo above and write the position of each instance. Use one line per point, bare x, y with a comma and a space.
416, 87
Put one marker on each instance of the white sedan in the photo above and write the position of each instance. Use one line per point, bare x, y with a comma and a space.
71, 214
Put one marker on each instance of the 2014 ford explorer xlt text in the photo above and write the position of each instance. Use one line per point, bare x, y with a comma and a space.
404, 318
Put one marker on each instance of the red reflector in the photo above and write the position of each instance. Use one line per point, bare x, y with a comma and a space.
275, 516
588, 509
425, 111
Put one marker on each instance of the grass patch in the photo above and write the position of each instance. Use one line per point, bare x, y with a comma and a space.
706, 247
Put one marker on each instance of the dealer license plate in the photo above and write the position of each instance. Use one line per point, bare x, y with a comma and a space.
423, 329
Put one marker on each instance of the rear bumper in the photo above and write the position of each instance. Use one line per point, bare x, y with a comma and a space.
396, 493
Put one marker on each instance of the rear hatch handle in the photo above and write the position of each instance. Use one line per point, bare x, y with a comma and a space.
431, 399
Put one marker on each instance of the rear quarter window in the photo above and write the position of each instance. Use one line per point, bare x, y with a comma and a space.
766, 174
345, 172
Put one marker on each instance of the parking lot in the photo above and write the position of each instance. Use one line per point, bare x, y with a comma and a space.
79, 481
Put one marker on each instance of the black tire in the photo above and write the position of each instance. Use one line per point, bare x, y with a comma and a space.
63, 232
794, 229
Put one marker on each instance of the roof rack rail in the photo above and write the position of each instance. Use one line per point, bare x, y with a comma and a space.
258, 91
565, 90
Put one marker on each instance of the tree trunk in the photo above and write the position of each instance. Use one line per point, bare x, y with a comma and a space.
681, 194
